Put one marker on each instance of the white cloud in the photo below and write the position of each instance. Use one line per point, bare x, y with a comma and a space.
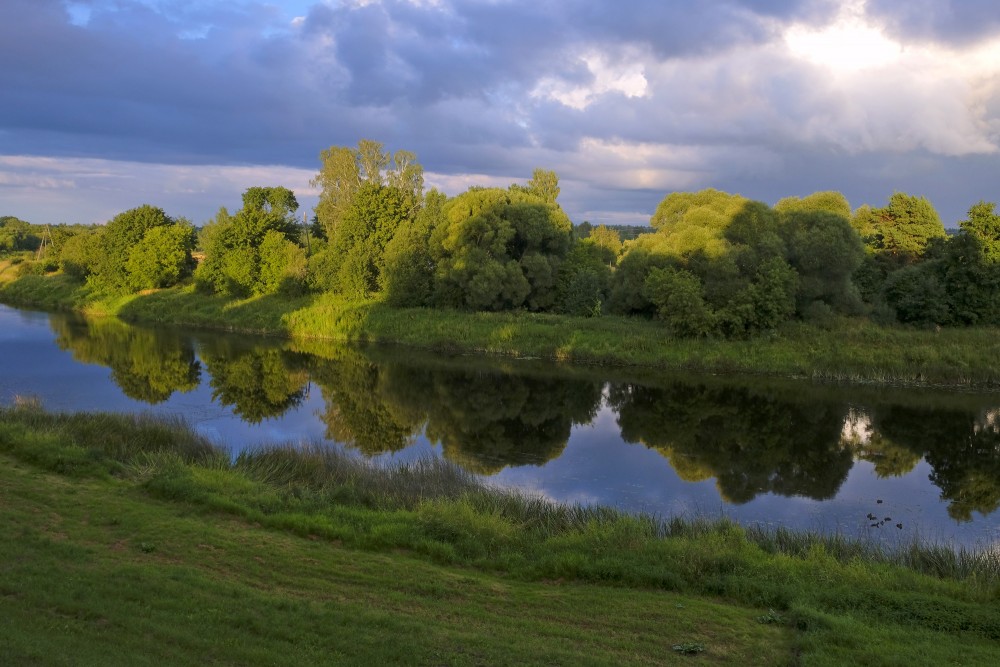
848, 44
626, 78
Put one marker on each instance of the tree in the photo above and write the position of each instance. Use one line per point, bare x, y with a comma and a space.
338, 179
407, 278
79, 254
282, 265
680, 302
916, 295
544, 184
162, 258
113, 264
984, 224
118, 238
583, 281
825, 251
902, 229
344, 170
731, 246
16, 234
828, 201
608, 242
256, 250
372, 160
499, 249
359, 242
406, 174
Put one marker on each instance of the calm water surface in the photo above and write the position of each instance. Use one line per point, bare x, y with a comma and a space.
759, 451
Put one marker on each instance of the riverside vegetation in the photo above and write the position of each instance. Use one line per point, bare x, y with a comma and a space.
843, 349
717, 282
138, 542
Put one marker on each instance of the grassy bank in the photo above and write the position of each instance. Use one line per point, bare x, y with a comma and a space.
132, 540
846, 351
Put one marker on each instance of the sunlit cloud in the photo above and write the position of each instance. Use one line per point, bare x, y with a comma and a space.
849, 44
605, 77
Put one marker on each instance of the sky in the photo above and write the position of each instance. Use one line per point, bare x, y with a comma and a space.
109, 104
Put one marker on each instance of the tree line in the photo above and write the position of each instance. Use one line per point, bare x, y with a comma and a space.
710, 264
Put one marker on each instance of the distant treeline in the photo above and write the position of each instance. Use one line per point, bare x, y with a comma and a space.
710, 264
625, 232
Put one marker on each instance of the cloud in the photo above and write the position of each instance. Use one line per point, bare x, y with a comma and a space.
955, 23
625, 103
95, 190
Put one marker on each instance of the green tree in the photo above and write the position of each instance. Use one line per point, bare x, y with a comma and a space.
984, 224
902, 229
119, 237
955, 285
254, 251
583, 280
161, 258
407, 279
828, 201
17, 235
499, 249
338, 179
680, 302
916, 295
359, 242
544, 184
971, 280
608, 241
80, 253
344, 170
282, 265
628, 294
729, 245
825, 251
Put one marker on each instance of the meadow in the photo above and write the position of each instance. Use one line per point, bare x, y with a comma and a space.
131, 540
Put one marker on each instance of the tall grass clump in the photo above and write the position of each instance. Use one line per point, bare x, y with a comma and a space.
86, 442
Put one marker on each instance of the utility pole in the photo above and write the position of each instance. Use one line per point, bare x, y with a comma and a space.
46, 241
305, 227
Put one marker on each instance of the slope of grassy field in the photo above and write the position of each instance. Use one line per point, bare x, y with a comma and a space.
133, 541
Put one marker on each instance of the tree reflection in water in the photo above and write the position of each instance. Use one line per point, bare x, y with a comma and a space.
148, 365
750, 442
258, 382
485, 420
752, 439
962, 448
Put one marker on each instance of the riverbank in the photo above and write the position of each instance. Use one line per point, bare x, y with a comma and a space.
132, 540
847, 350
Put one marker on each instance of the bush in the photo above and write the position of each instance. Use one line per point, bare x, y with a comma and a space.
680, 302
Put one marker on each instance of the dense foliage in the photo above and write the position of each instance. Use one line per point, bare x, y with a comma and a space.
711, 264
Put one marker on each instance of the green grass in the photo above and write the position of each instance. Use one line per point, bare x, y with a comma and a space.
849, 350
131, 539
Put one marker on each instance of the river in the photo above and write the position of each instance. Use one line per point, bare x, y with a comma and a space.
873, 463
